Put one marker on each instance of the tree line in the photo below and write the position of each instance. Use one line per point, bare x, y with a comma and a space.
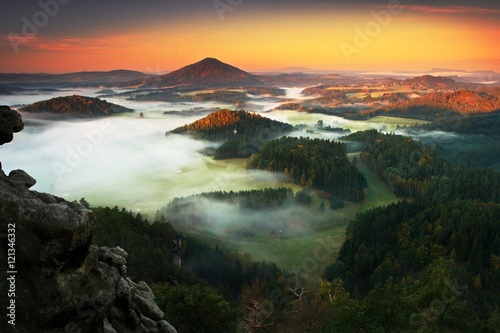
317, 163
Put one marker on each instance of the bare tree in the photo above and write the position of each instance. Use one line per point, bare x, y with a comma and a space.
259, 311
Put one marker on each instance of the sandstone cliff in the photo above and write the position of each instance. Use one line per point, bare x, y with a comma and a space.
52, 279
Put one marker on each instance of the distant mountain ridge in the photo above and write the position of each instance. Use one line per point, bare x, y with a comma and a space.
430, 82
76, 105
208, 72
463, 102
75, 79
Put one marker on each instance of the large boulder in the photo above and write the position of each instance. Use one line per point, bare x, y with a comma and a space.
10, 123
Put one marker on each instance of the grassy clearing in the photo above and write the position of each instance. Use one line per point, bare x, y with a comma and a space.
312, 239
379, 193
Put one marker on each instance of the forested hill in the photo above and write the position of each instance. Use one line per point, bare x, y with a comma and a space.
227, 125
76, 105
243, 133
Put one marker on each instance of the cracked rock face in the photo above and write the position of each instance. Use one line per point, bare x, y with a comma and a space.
63, 284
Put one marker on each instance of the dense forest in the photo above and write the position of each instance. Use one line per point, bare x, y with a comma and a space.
76, 105
149, 245
250, 199
237, 148
440, 251
415, 170
477, 141
316, 163
404, 164
475, 124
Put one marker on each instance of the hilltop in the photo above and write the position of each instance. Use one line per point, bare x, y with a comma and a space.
76, 105
208, 72
430, 82
463, 102
242, 132
226, 124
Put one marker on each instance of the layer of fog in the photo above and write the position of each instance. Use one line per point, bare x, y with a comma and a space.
30, 96
450, 141
127, 161
230, 222
123, 160
264, 103
429, 138
299, 118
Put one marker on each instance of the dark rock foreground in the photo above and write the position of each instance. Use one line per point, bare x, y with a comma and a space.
58, 281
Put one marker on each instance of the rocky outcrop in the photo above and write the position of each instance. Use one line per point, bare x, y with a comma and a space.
10, 123
58, 281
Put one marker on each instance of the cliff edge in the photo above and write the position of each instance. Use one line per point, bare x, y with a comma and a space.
52, 278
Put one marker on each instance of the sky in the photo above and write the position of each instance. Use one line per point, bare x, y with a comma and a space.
158, 36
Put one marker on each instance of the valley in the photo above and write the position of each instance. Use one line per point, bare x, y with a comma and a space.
259, 175
235, 166
137, 167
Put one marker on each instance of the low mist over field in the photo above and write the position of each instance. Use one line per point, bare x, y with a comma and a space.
127, 160
122, 160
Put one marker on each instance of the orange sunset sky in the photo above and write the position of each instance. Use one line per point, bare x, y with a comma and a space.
160, 36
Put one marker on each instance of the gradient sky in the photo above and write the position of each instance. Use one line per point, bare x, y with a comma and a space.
163, 35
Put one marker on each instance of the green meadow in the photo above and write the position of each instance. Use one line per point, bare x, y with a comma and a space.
312, 238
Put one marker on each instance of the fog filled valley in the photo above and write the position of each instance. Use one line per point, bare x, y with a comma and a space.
128, 161
362, 197
235, 166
